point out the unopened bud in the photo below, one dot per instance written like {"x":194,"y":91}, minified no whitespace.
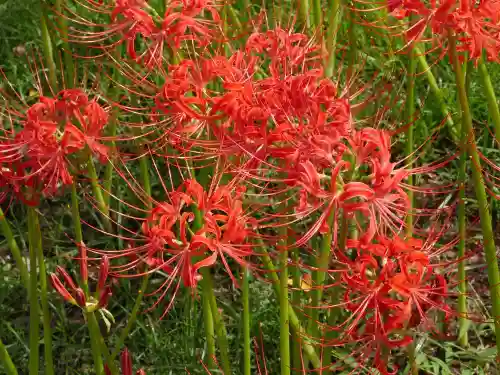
{"x":80,"y":297}
{"x":103,"y":272}
{"x":59,"y":287}
{"x":126,"y":363}
{"x":140,"y":372}
{"x":84,"y":271}
{"x":67,"y":278}
{"x":104,"y":297}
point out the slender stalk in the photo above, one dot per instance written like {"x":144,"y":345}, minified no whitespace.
{"x":98,"y":193}
{"x":14,"y":248}
{"x":245,"y":296}
{"x":284,"y":316}
{"x":317,"y":16}
{"x":489,"y":91}
{"x":6,"y":360}
{"x":308,"y":348}
{"x":209,"y":333}
{"x":33,"y":297}
{"x":296,"y":299}
{"x":220,"y":328}
{"x":95,"y":334}
{"x":108,"y":172}
{"x":47,"y":329}
{"x":75,"y":211}
{"x":334,"y":18}
{"x":47,"y":47}
{"x":131,"y":319}
{"x":319,"y":277}
{"x":425,"y":68}
{"x":462,"y":282}
{"x":305,"y":12}
{"x":409,"y":119}
{"x":481,"y":196}
{"x":63,"y":29}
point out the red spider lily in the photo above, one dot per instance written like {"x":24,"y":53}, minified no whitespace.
{"x":191,"y":230}
{"x":126,"y":365}
{"x":388,"y":283}
{"x":76,"y":294}
{"x":131,"y":20}
{"x":475,"y":24}
{"x":54,"y":133}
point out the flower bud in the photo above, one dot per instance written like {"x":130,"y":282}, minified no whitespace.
{"x":103,"y":272}
{"x":104,"y":297}
{"x":126,"y":363}
{"x":80,"y":297}
{"x":140,"y":372}
{"x":67,"y":278}
{"x":59,"y":287}
{"x":84,"y":271}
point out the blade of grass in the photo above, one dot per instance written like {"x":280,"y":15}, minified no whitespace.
{"x":6,"y":360}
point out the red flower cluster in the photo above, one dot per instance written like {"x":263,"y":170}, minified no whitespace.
{"x":136,"y":22}
{"x":189,"y":231}
{"x":390,"y":286}
{"x":475,"y":23}
{"x":54,"y":131}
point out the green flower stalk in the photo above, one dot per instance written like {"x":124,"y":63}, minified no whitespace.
{"x":245,"y":296}
{"x":480,"y":190}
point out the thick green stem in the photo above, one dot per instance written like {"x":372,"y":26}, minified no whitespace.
{"x":75,"y":211}
{"x":462,"y":282}
{"x":410,"y":121}
{"x":98,"y":194}
{"x":317,"y":17}
{"x":68,"y":57}
{"x":209,"y":333}
{"x":245,"y":296}
{"x":33,"y":297}
{"x":308,"y":348}
{"x":47,"y":47}
{"x":489,"y":91}
{"x":284,"y":316}
{"x":331,"y":35}
{"x":131,"y":319}
{"x":437,"y":91}
{"x":6,"y":361}
{"x":296,"y":299}
{"x":220,"y":327}
{"x":95,"y":346}
{"x":481,"y":196}
{"x":319,"y":277}
{"x":47,"y":329}
{"x":305,"y":12}
{"x":14,"y":248}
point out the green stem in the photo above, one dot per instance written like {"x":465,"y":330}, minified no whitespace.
{"x":47,"y":47}
{"x":481,"y":196}
{"x":95,"y":334}
{"x":409,"y":118}
{"x":33,"y":297}
{"x":14,"y":248}
{"x":284,"y":315}
{"x":6,"y":360}
{"x":245,"y":296}
{"x":331,"y":35}
{"x":296,"y":299}
{"x":98,"y":194}
{"x":209,"y":333}
{"x":490,"y":97}
{"x":308,"y":348}
{"x":68,"y":57}
{"x":220,"y":327}
{"x":75,"y":211}
{"x":317,"y":17}
{"x":47,"y":329}
{"x":462,"y":283}
{"x":108,"y":172}
{"x":132,"y":318}
{"x":304,"y":12}
{"x":319,"y":277}
{"x":436,"y":90}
